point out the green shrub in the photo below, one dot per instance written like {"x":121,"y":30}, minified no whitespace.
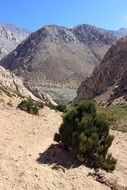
{"x":39,"y":105}
{"x":51,"y":106}
{"x":86,"y":135}
{"x":60,"y":107}
{"x":30,"y":106}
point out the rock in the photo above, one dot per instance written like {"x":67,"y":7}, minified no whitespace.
{"x":13,"y":84}
{"x":41,"y":95}
{"x":108,"y":81}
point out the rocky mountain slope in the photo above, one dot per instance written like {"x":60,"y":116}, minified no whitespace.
{"x":12,"y":85}
{"x":10,"y":37}
{"x":109,"y":80}
{"x":57,"y":56}
{"x":122,"y":32}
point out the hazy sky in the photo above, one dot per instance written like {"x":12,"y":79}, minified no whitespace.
{"x":33,"y":14}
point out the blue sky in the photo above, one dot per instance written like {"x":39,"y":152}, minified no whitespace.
{"x":33,"y":14}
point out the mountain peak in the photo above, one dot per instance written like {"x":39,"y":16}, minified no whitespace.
{"x":122,"y":32}
{"x":122,"y":29}
{"x":8,"y":25}
{"x":10,"y":37}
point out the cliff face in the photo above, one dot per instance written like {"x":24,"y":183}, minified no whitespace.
{"x":58,"y":56}
{"x":109,"y":79}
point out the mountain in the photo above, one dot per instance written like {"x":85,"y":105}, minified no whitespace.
{"x":122,"y":32}
{"x":12,"y":86}
{"x":108,"y":82}
{"x":56,"y":56}
{"x":10,"y":37}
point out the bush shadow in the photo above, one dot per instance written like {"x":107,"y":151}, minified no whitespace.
{"x":58,"y":155}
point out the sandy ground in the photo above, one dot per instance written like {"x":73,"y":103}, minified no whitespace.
{"x":27,"y":160}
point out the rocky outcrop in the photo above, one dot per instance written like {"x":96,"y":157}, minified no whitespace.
{"x":10,"y":37}
{"x":109,"y":79}
{"x":57,"y":56}
{"x":13,"y":84}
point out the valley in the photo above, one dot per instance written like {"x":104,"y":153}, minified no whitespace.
{"x":48,"y":72}
{"x":60,"y":95}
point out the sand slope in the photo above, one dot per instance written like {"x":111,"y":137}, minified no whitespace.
{"x":23,"y":137}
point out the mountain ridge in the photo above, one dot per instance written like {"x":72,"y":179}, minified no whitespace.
{"x":10,"y":37}
{"x":59,"y":56}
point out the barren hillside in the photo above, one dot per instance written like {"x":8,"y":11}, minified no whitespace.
{"x":28,"y":162}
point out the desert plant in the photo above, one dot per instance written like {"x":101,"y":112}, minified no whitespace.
{"x":30,"y":106}
{"x":39,"y":104}
{"x":60,"y":107}
{"x":87,"y":136}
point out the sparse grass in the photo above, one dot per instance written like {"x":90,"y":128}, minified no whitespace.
{"x":116,"y":115}
{"x":6,"y":91}
{"x":9,"y":93}
{"x":18,"y":94}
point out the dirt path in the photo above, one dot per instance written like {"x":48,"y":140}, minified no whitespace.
{"x":23,"y":137}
